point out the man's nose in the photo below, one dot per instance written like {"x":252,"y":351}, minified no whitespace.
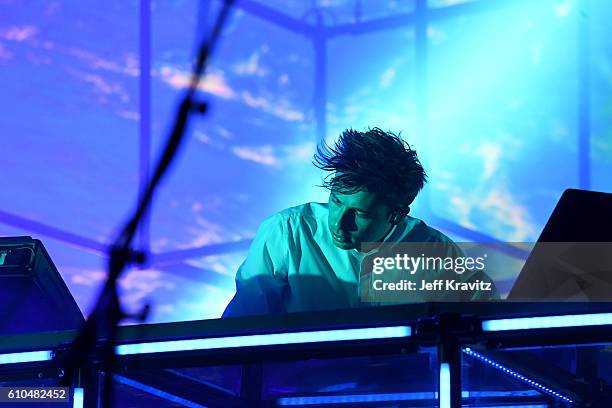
{"x":344,"y":221}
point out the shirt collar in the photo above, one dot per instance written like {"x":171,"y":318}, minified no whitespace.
{"x":388,"y":238}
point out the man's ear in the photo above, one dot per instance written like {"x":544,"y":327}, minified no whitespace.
{"x":398,"y":215}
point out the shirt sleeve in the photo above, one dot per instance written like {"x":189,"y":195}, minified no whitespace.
{"x":261,"y":280}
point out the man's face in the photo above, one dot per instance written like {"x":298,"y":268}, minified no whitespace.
{"x":356,"y":218}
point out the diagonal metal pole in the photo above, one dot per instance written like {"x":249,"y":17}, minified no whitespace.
{"x":144,"y":130}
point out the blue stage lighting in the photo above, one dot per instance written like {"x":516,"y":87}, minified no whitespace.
{"x":404,"y":396}
{"x":355,"y":398}
{"x":77,"y":398}
{"x":517,"y":376}
{"x":156,"y":391}
{"x":26,"y":357}
{"x":445,"y":386}
{"x":266,"y":340}
{"x":547,"y":322}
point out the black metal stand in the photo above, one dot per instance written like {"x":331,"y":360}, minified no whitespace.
{"x":103,"y":321}
{"x":449,"y":354}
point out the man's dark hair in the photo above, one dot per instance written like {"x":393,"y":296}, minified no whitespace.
{"x":375,"y":161}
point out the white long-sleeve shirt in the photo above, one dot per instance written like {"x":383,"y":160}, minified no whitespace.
{"x":293,"y":266}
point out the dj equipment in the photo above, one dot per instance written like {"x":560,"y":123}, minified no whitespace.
{"x":33,"y":296}
{"x":572,"y":259}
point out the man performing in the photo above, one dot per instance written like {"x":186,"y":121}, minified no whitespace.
{"x":310,"y":257}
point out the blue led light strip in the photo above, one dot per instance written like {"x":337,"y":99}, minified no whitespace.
{"x":517,"y":376}
{"x":355,"y":398}
{"x":26,"y":357}
{"x":400,"y":396}
{"x":254,"y":340}
{"x":155,"y":391}
{"x":77,"y":398}
{"x":445,"y":386}
{"x":548,"y":322}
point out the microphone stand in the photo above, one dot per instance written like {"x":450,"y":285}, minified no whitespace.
{"x":101,"y":326}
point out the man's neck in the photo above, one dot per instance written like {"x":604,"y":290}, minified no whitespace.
{"x":373,"y":246}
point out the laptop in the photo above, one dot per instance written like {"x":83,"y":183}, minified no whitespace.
{"x":572,"y":258}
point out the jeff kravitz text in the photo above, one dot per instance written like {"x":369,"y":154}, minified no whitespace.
{"x":435,"y":285}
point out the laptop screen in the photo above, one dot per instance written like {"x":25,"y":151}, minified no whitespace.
{"x":572,"y":259}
